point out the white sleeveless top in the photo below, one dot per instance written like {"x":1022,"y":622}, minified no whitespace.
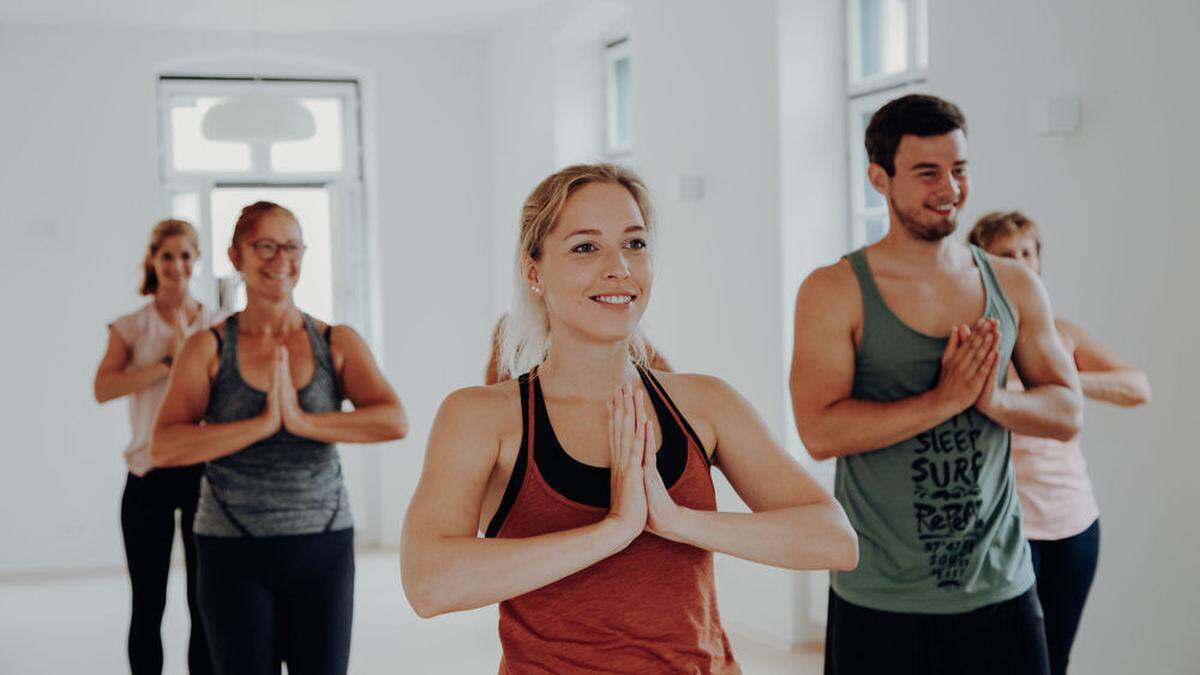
{"x":149,"y":339}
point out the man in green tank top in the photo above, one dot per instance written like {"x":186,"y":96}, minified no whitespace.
{"x":901,"y":351}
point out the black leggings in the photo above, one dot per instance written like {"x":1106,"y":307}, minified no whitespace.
{"x":148,"y":525}
{"x":1001,"y":639}
{"x":268,"y":600}
{"x":1065,"y":569}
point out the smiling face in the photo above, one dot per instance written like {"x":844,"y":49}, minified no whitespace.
{"x":930,"y":184}
{"x":594,"y":270}
{"x":269,"y":255}
{"x":173,"y":263}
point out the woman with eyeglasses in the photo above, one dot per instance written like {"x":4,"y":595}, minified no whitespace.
{"x":141,"y":348}
{"x":258,"y":401}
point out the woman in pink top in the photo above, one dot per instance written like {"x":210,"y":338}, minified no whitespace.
{"x":136,"y":363}
{"x":1059,"y":511}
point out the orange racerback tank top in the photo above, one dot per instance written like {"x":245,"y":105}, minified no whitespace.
{"x":652,"y":607}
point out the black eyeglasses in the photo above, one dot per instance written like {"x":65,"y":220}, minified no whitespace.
{"x":267,"y":249}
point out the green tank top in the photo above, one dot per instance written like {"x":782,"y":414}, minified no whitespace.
{"x":937,"y":517}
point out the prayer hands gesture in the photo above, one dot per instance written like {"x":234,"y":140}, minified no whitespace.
{"x":640,"y":501}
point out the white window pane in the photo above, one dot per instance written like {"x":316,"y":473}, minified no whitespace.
{"x":322,"y":152}
{"x":191,"y":151}
{"x":624,"y":104}
{"x":186,"y":206}
{"x":314,"y":291}
{"x":883,"y":37}
{"x":875,"y":227}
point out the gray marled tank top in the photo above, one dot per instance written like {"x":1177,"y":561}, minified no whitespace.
{"x":281,"y":485}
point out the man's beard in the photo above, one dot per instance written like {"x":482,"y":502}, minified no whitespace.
{"x":936,"y":231}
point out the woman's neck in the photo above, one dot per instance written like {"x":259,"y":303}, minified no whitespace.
{"x":578,"y":368}
{"x":169,"y":301}
{"x":269,"y":317}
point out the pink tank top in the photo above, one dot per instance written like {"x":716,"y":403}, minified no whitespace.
{"x":1052,"y":481}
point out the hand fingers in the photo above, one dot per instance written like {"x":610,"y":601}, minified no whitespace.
{"x":637,"y":450}
{"x":980,"y":354}
{"x":612,"y":447}
{"x":987,"y":373}
{"x":951,"y":346}
{"x":649,"y":458}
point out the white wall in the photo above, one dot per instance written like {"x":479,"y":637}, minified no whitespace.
{"x":79,"y":185}
{"x":706,"y":104}
{"x":1117,"y":204}
{"x":814,"y":200}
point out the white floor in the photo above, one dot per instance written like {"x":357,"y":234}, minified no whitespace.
{"x":77,"y":624}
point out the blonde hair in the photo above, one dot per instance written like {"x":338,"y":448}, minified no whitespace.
{"x":997,"y":224}
{"x":161,"y":232}
{"x":525,"y":333}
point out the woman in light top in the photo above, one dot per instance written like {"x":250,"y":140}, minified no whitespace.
{"x":590,"y":474}
{"x":258,"y":401}
{"x":142,"y":346}
{"x":1059,"y":512}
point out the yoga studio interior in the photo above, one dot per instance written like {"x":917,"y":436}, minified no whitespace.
{"x":403,"y":138}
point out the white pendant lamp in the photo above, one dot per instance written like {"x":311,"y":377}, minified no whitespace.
{"x":258,"y":117}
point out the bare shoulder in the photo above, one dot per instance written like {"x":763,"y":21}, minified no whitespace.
{"x":698,"y":393}
{"x":833,"y":282}
{"x":203,"y":343}
{"x":494,"y":408}
{"x":829,"y":293}
{"x":342,"y":336}
{"x":1015,"y":276}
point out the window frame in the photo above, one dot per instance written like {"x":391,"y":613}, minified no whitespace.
{"x":917,"y":56}
{"x":352,"y":294}
{"x":870,"y":93}
{"x":614,"y":51}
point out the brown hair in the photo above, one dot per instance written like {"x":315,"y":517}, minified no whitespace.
{"x":997,"y":224}
{"x":250,"y":216}
{"x":161,"y":232}
{"x":915,"y":114}
{"x":525,"y":334}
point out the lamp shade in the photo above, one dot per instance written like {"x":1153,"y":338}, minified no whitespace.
{"x":258,"y":118}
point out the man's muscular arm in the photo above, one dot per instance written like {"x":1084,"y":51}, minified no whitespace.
{"x":830,"y":422}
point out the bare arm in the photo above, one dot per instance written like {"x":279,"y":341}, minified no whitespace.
{"x":378,"y":414}
{"x":830,"y":422}
{"x":179,"y":438}
{"x":794,"y":522}
{"x":1102,"y":375}
{"x":115,"y":379}
{"x":446,"y":566}
{"x":1051,"y":405}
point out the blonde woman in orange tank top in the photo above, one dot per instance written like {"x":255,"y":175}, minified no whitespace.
{"x":590,"y":474}
{"x":1059,"y":512}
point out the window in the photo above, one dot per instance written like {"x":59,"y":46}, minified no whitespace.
{"x":618,"y":98}
{"x":208,"y":182}
{"x":888,"y":57}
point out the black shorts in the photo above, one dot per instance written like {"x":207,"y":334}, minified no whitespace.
{"x":1007,"y":638}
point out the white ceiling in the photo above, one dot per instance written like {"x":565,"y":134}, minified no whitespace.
{"x":406,"y":16}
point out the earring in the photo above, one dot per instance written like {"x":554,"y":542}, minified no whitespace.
{"x":536,"y":289}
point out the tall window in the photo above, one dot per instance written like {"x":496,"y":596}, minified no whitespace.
{"x":319,"y":179}
{"x":888,"y":57}
{"x":618,"y":62}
